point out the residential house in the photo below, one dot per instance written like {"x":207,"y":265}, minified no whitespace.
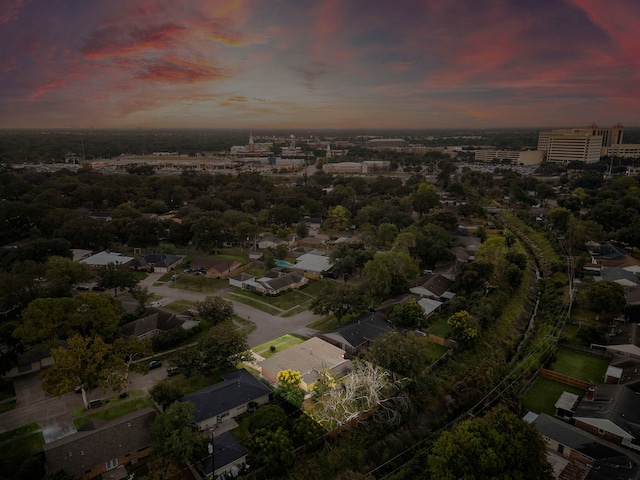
{"x":227,"y":457}
{"x":429,"y":306}
{"x":312,"y":222}
{"x":463,"y":255}
{"x":358,"y":334}
{"x":216,"y":267}
{"x":156,"y":321}
{"x":624,"y":371}
{"x":106,"y":257}
{"x":313,"y":264}
{"x":159,"y":262}
{"x":270,"y":241}
{"x":610,"y":412}
{"x":577,"y":455}
{"x":436,"y":286}
{"x":226,"y":400}
{"x":99,"y":449}
{"x":270,"y":284}
{"x":624,"y":340}
{"x":309,"y":358}
{"x":618,"y":275}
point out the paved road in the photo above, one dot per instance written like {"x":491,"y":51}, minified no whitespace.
{"x":268,"y":326}
{"x":54,"y":414}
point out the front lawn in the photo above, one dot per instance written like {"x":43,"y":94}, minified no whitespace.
{"x":544,"y":393}
{"x":180,"y":305}
{"x":580,"y":365}
{"x":440,"y":327}
{"x":281,"y":343}
{"x":285,"y":301}
{"x":17,"y":432}
{"x":116,"y":411}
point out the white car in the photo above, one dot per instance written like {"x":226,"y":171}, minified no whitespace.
{"x":155,"y":304}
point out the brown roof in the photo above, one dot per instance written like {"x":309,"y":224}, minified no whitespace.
{"x":218,"y":264}
{"x":438,"y":284}
{"x":155,"y":319}
{"x":85,"y":450}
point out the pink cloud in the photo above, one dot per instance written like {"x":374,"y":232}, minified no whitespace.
{"x":10,"y":10}
{"x":122,"y":40}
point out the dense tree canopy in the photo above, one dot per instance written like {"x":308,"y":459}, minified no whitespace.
{"x":498,"y":446}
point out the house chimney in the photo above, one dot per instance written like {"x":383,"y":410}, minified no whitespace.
{"x":591,"y":392}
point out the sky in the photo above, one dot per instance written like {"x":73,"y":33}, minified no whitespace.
{"x":247,"y":64}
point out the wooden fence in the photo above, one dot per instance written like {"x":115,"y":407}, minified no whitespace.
{"x":566,"y":379}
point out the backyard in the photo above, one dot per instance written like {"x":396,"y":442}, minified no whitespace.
{"x":543,"y":394}
{"x":580,"y":365}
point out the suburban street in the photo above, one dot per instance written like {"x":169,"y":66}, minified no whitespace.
{"x":53,"y":414}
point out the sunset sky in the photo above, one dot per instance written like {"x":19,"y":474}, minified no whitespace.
{"x":319,"y":64}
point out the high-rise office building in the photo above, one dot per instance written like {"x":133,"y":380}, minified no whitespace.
{"x":579,"y":144}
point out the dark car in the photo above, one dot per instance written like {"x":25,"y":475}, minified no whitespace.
{"x":98,"y":288}
{"x":331,"y":275}
{"x":154,"y":364}
{"x":372,"y":309}
{"x":82,"y":287}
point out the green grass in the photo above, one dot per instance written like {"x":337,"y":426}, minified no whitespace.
{"x":193,"y":384}
{"x":440,"y":327}
{"x":7,"y":389}
{"x":17,"y":432}
{"x":281,"y":343}
{"x":543,"y":394}
{"x":580,"y":365}
{"x":325,"y":324}
{"x":285,"y":301}
{"x":180,"y":305}
{"x":6,"y":406}
{"x":22,"y":448}
{"x":246,"y":326}
{"x":200,"y":283}
{"x":253,"y":303}
{"x":436,"y":351}
{"x":116,"y":411}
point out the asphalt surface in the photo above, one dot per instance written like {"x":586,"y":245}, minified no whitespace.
{"x":53,"y":414}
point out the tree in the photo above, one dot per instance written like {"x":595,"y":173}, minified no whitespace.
{"x":307,"y":430}
{"x":289,"y":387}
{"x":464,"y":328}
{"x":86,"y":363}
{"x":605,"y":297}
{"x":175,"y":438}
{"x":404,"y":354}
{"x":215,"y":309}
{"x":222,"y":348}
{"x":408,"y":315}
{"x":165,"y":393}
{"x":494,"y":447}
{"x":338,"y":218}
{"x":62,"y":273}
{"x":425,"y":197}
{"x":47,"y":319}
{"x":267,"y":417}
{"x":274,"y":449}
{"x":117,"y":276}
{"x":340,"y":300}
{"x":389,"y":273}
{"x":559,"y":218}
{"x":131,"y":350}
{"x":349,"y":257}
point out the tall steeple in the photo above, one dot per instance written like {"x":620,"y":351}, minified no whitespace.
{"x":251,"y":142}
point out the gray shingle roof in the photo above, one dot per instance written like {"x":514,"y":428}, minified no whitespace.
{"x":87,"y":449}
{"x":238,"y":388}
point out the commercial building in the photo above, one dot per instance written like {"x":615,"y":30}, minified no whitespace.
{"x":520,"y":157}
{"x":580,"y":144}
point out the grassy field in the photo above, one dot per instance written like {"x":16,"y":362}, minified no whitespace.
{"x":116,"y":411}
{"x":17,"y":432}
{"x":285,"y":301}
{"x":580,"y":365}
{"x":440,"y":327}
{"x":20,"y":449}
{"x":543,"y":394}
{"x":180,"y":305}
{"x":325,"y":324}
{"x":253,"y":303}
{"x":281,"y":343}
{"x":6,"y":406}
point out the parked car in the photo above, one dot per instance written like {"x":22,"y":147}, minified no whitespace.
{"x":82,"y":287}
{"x":98,"y":288}
{"x":155,"y":304}
{"x":171,"y":371}
{"x":331,"y":275}
{"x":154,"y":364}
